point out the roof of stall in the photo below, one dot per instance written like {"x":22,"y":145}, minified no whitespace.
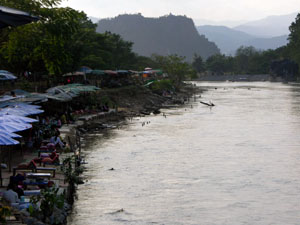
{"x":110,"y":72}
{"x":67,"y":92}
{"x":77,"y":73}
{"x":13,"y":17}
{"x":97,"y":72}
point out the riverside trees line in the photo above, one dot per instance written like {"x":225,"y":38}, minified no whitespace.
{"x":65,"y":39}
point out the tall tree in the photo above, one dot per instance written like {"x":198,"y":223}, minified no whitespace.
{"x":198,"y":63}
{"x":176,"y":67}
{"x":44,"y":45}
{"x":294,"y":38}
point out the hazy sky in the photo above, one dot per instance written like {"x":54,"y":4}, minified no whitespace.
{"x":216,"y":10}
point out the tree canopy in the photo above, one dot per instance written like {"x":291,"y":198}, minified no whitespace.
{"x":61,"y":41}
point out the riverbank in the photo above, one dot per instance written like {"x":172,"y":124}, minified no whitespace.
{"x":130,"y":102}
{"x":125,"y":102}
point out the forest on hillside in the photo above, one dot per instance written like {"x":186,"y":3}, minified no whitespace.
{"x":164,"y":36}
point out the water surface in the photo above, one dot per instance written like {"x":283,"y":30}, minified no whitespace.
{"x":236,"y":163}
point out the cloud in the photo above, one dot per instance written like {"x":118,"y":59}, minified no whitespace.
{"x":208,"y":9}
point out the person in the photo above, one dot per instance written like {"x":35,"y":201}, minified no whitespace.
{"x":10,"y":195}
{"x":63,"y":119}
{"x":56,"y":141}
{"x":13,"y":94}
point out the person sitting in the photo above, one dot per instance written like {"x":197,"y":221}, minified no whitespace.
{"x":56,"y":141}
{"x":10,"y":195}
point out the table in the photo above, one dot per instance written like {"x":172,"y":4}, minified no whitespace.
{"x":38,"y":175}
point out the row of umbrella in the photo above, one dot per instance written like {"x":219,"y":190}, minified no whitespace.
{"x":11,"y":17}
{"x":69,"y":91}
{"x":13,"y":119}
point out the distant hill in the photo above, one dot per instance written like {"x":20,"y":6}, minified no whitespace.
{"x":229,"y":40}
{"x":164,"y":35}
{"x":269,"y":27}
{"x":227,"y":23}
{"x":268,"y":43}
{"x":94,"y":19}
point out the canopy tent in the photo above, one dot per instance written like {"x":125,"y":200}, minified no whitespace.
{"x":96,"y":72}
{"x":19,"y":105}
{"x":67,"y":92}
{"x":110,"y":72}
{"x":5,"y":98}
{"x":11,"y":135}
{"x":7,"y":76}
{"x":35,"y":98}
{"x":85,"y":69}
{"x":16,"y":119}
{"x":12,"y":127}
{"x":13,"y":17}
{"x":59,"y":97}
{"x":5,"y":140}
{"x":122,"y":71}
{"x":20,"y":111}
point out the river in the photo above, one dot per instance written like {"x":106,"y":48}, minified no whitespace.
{"x":235,"y":163}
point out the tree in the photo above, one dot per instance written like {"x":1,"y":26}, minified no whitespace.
{"x":217,"y":64}
{"x":294,"y":38}
{"x":198,"y":64}
{"x":49,"y":45}
{"x":176,"y":67}
{"x":243,"y":57}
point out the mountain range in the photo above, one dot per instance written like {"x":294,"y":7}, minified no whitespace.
{"x":178,"y":35}
{"x":268,"y":33}
{"x":164,"y":35}
{"x":270,"y":26}
{"x":229,"y":40}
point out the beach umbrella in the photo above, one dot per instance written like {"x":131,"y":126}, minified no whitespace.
{"x":13,"y":17}
{"x":20,"y":111}
{"x":14,"y":127}
{"x":6,"y":76}
{"x":20,"y":104}
{"x":5,"y":140}
{"x":11,"y":135}
{"x":17,"y":119}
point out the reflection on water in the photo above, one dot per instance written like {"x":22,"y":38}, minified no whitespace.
{"x":235,"y":163}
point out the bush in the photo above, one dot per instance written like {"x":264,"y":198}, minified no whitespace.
{"x":162,"y":85}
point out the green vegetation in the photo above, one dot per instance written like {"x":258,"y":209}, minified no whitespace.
{"x":294,"y":38}
{"x":49,"y":199}
{"x":175,"y":66}
{"x":61,"y":41}
{"x":162,"y":85}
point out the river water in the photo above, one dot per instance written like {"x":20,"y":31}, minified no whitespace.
{"x":235,"y":163}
